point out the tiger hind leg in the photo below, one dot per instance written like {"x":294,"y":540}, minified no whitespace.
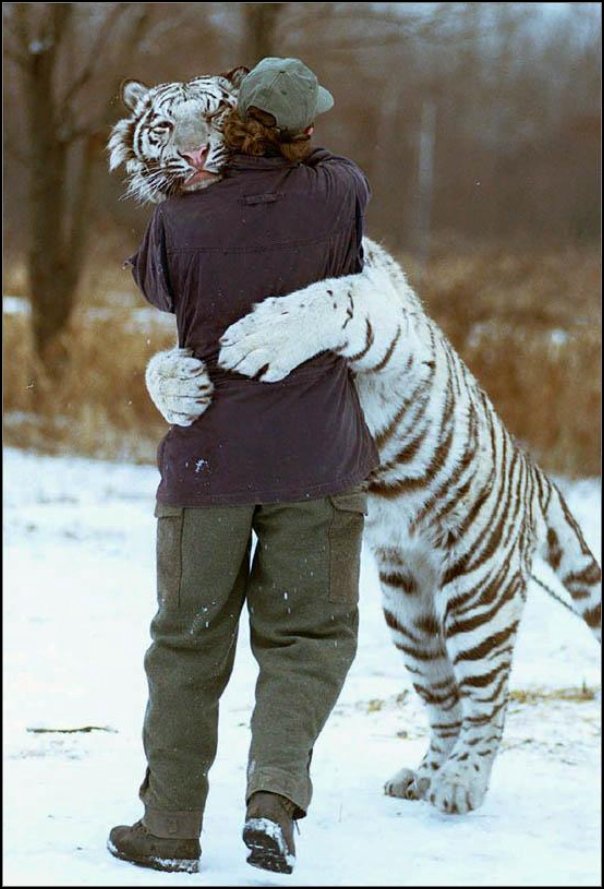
{"x":441,"y":699}
{"x":480,"y":642}
{"x":409,"y":613}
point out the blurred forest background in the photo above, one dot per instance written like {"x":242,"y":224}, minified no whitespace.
{"x":478,"y":125}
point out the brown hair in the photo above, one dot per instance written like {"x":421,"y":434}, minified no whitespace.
{"x":259,"y":135}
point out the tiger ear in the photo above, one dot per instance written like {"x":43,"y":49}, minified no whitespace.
{"x":131,"y":91}
{"x":236,"y":75}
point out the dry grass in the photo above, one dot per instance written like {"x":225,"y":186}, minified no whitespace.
{"x":538,"y":695}
{"x":101,"y":408}
{"x":527,"y":326}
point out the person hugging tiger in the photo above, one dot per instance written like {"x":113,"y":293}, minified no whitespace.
{"x":285,"y":461}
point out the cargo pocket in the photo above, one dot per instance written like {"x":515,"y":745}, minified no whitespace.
{"x":345,"y":541}
{"x":169,"y":554}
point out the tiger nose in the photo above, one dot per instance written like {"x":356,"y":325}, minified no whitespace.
{"x":197,"y":157}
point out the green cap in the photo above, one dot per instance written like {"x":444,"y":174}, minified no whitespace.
{"x":288,"y":90}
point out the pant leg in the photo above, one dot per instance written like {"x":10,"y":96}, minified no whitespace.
{"x":302,"y":600}
{"x":202,"y":568}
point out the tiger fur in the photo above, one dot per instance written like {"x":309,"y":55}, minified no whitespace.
{"x":456,"y":510}
{"x":166,"y":122}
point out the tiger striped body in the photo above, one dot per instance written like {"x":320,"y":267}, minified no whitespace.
{"x":456,"y":510}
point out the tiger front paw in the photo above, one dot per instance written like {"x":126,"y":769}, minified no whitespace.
{"x":458,"y":788}
{"x":179,"y":386}
{"x":277,"y":336}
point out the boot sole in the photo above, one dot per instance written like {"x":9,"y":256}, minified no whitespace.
{"x":169,"y":865}
{"x":265,"y":851}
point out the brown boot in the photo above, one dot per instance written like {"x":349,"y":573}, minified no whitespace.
{"x":137,"y":845}
{"x":269,"y":832}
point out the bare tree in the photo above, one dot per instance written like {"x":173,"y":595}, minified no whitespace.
{"x":57,"y":50}
{"x":512,"y":148}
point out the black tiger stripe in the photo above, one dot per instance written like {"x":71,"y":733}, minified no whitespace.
{"x":500,"y":652}
{"x":389,"y":554}
{"x":452,"y":374}
{"x":410,"y":451}
{"x":593,"y":617}
{"x":128,"y":140}
{"x":452,"y":573}
{"x":427,"y":624}
{"x":415,"y":415}
{"x":382,"y":437}
{"x":393,"y":623}
{"x":420,"y":400}
{"x":472,"y":742}
{"x":430,"y":698}
{"x":479,"y":501}
{"x":492,"y":431}
{"x":574,"y":526}
{"x":458,"y":371}
{"x":590,"y":575}
{"x":489,"y":593}
{"x":385,"y":360}
{"x":484,"y":720}
{"x":540,"y":493}
{"x":484,"y":617}
{"x":454,"y":703}
{"x":448,"y":407}
{"x":349,"y":310}
{"x":518,"y":498}
{"x":483,"y":549}
{"x":554,"y":550}
{"x":443,"y":683}
{"x":480,"y":651}
{"x":389,"y":490}
{"x":420,"y":654}
{"x":484,"y":679}
{"x":441,"y":494}
{"x":404,"y":582}
{"x":549,"y":491}
{"x":499,"y":688}
{"x":463,"y":602}
{"x":460,"y":757}
{"x":369,"y":340}
{"x":436,"y":698}
{"x":504,"y":584}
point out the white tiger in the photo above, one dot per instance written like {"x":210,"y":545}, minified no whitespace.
{"x":456,"y":510}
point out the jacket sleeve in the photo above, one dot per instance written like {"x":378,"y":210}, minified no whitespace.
{"x":343,"y":170}
{"x":150,"y":267}
{"x":347,"y":183}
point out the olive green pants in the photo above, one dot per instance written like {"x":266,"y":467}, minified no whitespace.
{"x":301,"y":590}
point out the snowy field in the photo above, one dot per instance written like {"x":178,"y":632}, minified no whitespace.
{"x":79,"y":594}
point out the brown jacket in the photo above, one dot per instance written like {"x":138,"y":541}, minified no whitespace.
{"x":269,"y":227}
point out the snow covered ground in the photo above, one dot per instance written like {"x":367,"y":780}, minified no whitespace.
{"x":79,"y":594}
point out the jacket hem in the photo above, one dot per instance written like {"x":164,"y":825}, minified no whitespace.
{"x":247,"y":498}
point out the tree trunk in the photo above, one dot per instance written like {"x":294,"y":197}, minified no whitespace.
{"x":425,"y":180}
{"x":52,"y":283}
{"x":260,"y":29}
{"x":63,"y":140}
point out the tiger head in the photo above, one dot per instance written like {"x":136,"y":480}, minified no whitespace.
{"x":173,"y":137}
